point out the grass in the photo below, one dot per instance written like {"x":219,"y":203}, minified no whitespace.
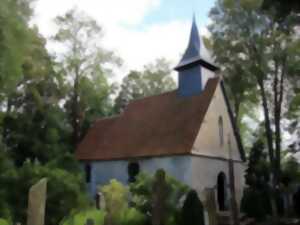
{"x":3,"y":222}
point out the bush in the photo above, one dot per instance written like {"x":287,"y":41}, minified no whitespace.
{"x":80,"y":218}
{"x":132,"y":216}
{"x":256,"y":203}
{"x":141,"y":191}
{"x":116,"y":197}
{"x":296,"y":200}
{"x":7,"y":175}
{"x":65,"y":191}
{"x":192,"y":210}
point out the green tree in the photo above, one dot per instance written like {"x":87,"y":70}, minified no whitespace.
{"x":84,"y":62}
{"x":290,"y":171}
{"x":263,"y":54}
{"x":33,"y":123}
{"x":154,"y":79}
{"x":258,"y":171}
{"x":282,"y":8}
{"x":65,"y":191}
{"x":14,"y":16}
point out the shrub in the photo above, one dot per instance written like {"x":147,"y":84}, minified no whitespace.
{"x":116,"y":197}
{"x":141,"y":191}
{"x":80,"y":218}
{"x":296,"y":200}
{"x":132,"y":216}
{"x":65,"y":191}
{"x":255,"y":203}
{"x":192,"y":210}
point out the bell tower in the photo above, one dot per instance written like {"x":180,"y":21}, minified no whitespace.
{"x":190,"y":67}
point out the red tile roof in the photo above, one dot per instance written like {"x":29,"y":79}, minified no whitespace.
{"x":165,"y":124}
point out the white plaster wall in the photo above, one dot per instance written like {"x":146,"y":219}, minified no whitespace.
{"x":103,"y":171}
{"x":208,"y":140}
{"x":205,"y":173}
{"x":206,"y":74}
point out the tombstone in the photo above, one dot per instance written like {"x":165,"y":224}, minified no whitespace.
{"x":159,"y":198}
{"x":211,"y":207}
{"x":98,"y":200}
{"x":89,"y":221}
{"x":37,"y":203}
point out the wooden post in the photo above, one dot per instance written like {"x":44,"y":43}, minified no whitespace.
{"x":234,"y":207}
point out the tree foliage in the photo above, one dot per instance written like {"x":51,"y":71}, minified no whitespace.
{"x":35,"y":128}
{"x":261,"y":54}
{"x":14,"y":16}
{"x":142,"y":190}
{"x":65,"y":190}
{"x":84,"y":64}
{"x":116,"y":197}
{"x":154,"y":79}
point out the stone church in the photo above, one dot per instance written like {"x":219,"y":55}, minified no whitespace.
{"x":188,"y":132}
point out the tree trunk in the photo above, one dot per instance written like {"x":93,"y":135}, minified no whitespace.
{"x":75,"y":110}
{"x":269,"y":133}
{"x":277,"y":120}
{"x":269,"y":136}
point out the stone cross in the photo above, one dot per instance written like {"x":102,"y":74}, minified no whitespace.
{"x":37,"y":203}
{"x":159,"y":198}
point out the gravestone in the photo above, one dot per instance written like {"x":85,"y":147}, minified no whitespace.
{"x":159,"y":198}
{"x":89,"y":221}
{"x":211,"y":207}
{"x":37,"y":203}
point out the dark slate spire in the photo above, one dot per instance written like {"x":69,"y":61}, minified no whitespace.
{"x":192,"y":53}
{"x":189,"y":67}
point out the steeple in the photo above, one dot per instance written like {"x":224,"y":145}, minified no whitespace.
{"x":189,"y":67}
{"x":192,"y":53}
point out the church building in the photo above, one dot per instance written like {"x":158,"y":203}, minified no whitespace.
{"x":189,"y":132}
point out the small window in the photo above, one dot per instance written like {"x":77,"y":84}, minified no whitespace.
{"x":87,"y":173}
{"x":133,"y":171}
{"x":221,"y":131}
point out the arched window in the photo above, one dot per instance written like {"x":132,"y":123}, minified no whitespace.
{"x":221,"y":130}
{"x":87,"y":169}
{"x":133,"y":171}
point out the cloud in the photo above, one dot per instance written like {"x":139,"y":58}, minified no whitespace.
{"x":119,"y":19}
{"x":107,"y":13}
{"x":140,"y":47}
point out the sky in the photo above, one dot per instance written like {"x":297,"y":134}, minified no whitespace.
{"x":139,"y":31}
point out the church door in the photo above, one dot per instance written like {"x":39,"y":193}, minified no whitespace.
{"x":222,"y":191}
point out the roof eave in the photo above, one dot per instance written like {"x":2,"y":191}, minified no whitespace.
{"x":185,"y":64}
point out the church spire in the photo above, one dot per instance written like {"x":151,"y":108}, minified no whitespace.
{"x":193,"y":50}
{"x":189,"y":68}
{"x":192,"y":53}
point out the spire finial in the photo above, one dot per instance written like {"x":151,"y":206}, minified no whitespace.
{"x":194,"y":17}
